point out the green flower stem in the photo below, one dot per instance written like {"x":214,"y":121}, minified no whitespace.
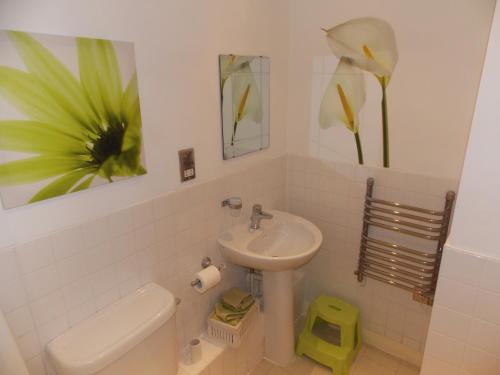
{"x":385,"y":126}
{"x":359,"y":148}
{"x":235,"y":126}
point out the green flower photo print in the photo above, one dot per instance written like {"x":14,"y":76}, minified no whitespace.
{"x":69,"y":115}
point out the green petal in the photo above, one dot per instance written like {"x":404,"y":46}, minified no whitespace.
{"x":131,"y":109}
{"x":57,"y":79}
{"x":35,"y":137}
{"x":100,"y":76}
{"x":35,"y":169}
{"x":28,"y":95}
{"x":129,"y":159}
{"x":85,"y":184}
{"x":61,"y":186}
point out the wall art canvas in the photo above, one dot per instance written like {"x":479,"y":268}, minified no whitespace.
{"x":244,"y":88}
{"x":362,"y":49}
{"x":69,"y":115}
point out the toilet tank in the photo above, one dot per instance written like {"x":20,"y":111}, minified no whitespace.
{"x":135,"y":335}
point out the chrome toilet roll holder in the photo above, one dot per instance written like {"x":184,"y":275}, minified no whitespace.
{"x":206,"y":262}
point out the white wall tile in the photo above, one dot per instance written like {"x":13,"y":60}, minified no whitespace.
{"x":450,"y":323}
{"x":49,"y":331}
{"x":477,"y":362}
{"x":48,"y":308}
{"x":434,"y":366}
{"x":107,"y":298}
{"x":95,"y":232}
{"x":462,"y":266}
{"x":81,"y":312}
{"x":36,"y":366}
{"x":12,"y":295}
{"x":42,"y":282}
{"x":142,"y":214}
{"x":8,"y":265}
{"x":120,"y":222}
{"x":20,"y":321}
{"x":163,"y":206}
{"x":486,"y":336}
{"x":77,"y":292}
{"x":488,"y":306}
{"x":67,"y":243}
{"x":445,"y":348}
{"x":100,"y":256}
{"x":471,"y":316}
{"x":72,"y":268}
{"x":123,"y":245}
{"x":145,"y":236}
{"x":35,"y":255}
{"x":456,"y":295}
{"x":104,"y":279}
{"x":28,"y":345}
{"x":490,"y":279}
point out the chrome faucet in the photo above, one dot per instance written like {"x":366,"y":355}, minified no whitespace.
{"x":257,"y":216}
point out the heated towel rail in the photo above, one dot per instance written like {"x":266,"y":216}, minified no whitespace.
{"x":402,"y":266}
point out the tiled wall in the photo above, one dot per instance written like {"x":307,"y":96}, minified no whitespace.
{"x":331,"y":195}
{"x":52,"y":283}
{"x":464,"y":335}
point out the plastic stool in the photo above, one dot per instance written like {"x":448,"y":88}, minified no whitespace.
{"x":332,"y":334}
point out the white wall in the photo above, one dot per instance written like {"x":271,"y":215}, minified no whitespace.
{"x":431,"y":94}
{"x":465,"y":325}
{"x":476,"y":220}
{"x":177,"y":45}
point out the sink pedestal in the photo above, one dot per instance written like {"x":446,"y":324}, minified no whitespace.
{"x":278,"y":317}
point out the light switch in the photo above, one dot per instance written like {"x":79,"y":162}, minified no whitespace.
{"x":186,"y":164}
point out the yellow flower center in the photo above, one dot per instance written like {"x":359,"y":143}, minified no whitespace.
{"x":347,"y":108}
{"x":243,"y":101}
{"x":368,"y":53}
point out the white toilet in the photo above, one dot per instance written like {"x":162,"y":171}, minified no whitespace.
{"x":135,"y":335}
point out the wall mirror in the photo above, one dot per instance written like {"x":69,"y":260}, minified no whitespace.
{"x":244,"y":89}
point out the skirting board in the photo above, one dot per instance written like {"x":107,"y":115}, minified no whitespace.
{"x":392,"y":347}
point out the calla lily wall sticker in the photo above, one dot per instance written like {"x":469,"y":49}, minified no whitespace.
{"x":74,"y":130}
{"x":343,"y":99}
{"x":370,"y":44}
{"x":246,"y":98}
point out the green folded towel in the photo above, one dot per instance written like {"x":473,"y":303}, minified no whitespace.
{"x":229,"y":316}
{"x":237,"y":300}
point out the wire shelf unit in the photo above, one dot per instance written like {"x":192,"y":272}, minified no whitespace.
{"x":396,"y":264}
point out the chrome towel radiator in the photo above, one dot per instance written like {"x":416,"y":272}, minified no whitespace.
{"x":400,"y":265}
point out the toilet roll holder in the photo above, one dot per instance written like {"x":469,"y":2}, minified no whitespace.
{"x":206,"y":262}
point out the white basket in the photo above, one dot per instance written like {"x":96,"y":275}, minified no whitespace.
{"x":232,"y":335}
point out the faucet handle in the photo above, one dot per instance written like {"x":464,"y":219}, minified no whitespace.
{"x":257,"y":208}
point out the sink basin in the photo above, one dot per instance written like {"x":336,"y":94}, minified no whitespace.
{"x":283,"y":243}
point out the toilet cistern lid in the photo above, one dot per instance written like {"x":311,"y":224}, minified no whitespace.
{"x":100,"y":340}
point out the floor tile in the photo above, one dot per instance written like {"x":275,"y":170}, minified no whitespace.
{"x":370,"y":361}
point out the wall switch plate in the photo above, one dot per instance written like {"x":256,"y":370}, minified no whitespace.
{"x":186,"y":164}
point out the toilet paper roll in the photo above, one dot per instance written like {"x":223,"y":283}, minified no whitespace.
{"x":195,"y":350}
{"x":208,"y":277}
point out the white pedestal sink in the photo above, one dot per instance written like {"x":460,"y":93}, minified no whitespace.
{"x":281,"y":244}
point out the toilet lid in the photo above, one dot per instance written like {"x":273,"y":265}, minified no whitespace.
{"x":97,"y":342}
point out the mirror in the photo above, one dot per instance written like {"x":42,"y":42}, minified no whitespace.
{"x":244,"y":87}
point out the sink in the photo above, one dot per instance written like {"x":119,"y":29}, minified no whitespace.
{"x":279,"y":246}
{"x":283,"y":243}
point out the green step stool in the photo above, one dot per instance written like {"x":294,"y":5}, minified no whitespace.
{"x":332,"y":334}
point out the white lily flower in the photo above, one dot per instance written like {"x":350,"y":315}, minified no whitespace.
{"x":247,"y":102}
{"x":344,"y":97}
{"x":230,"y":64}
{"x":369,"y":42}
